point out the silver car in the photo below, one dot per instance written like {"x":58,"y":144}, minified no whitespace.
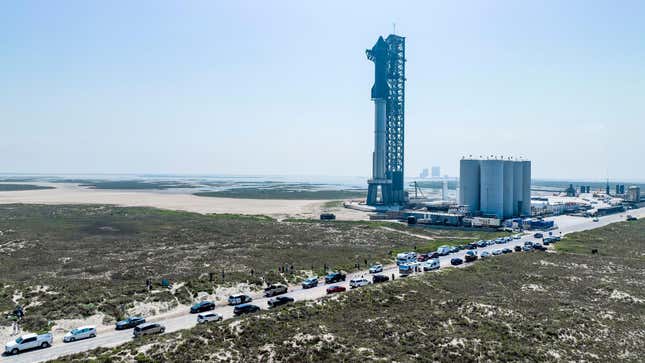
{"x":83,"y":332}
{"x":149,"y":328}
{"x":206,"y":317}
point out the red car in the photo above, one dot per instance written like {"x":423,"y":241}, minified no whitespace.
{"x":333,"y":289}
{"x":422,"y":257}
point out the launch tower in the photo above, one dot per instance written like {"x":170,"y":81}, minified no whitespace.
{"x":388,"y":94}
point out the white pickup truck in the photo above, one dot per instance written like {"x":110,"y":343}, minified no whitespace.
{"x":28,"y":341}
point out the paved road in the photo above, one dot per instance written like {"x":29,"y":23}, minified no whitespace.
{"x":110,"y":338}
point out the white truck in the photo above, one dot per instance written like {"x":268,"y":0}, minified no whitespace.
{"x":28,"y":341}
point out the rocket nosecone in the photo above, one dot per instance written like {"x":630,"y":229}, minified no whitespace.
{"x":378,"y":55}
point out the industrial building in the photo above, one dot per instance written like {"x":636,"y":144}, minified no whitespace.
{"x":495,"y":187}
{"x":386,"y":188}
{"x":633,"y":194}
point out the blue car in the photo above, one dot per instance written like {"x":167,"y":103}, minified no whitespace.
{"x":310,"y":282}
{"x":335,"y":277}
{"x":202,"y":306}
{"x":130,"y":322}
{"x":456,"y":261}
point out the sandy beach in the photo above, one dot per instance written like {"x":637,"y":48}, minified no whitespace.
{"x":74,"y":194}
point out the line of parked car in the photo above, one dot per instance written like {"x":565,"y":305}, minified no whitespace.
{"x":528,"y":246}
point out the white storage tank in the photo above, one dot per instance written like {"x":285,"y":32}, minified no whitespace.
{"x":492,"y":187}
{"x":526,"y":188}
{"x":517,"y":188}
{"x":469,"y":184}
{"x":508,"y":188}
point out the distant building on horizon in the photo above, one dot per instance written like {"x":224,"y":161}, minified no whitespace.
{"x":436,"y":172}
{"x":424,"y":173}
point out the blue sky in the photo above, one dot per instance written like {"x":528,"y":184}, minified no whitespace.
{"x":282,"y":87}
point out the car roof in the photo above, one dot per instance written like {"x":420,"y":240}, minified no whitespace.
{"x":86,"y":327}
{"x":146,"y":325}
{"x":27,"y":336}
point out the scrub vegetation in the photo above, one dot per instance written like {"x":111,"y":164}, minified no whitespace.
{"x":528,"y":306}
{"x":73,"y":261}
{"x":21,"y":187}
{"x":132,"y":184}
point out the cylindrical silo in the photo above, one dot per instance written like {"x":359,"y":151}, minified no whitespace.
{"x":526,"y":188}
{"x":508,"y":188}
{"x":517,"y":188}
{"x":469,"y":184}
{"x":492,"y":188}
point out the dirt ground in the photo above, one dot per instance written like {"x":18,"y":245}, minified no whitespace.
{"x":279,"y":209}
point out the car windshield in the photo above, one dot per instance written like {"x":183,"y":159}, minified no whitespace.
{"x":75,"y":331}
{"x":19,"y":340}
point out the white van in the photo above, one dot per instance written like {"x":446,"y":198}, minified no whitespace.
{"x":430,"y":265}
{"x":443,"y":250}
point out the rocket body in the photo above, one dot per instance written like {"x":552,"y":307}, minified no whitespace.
{"x":378,"y":55}
{"x":378,"y":169}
